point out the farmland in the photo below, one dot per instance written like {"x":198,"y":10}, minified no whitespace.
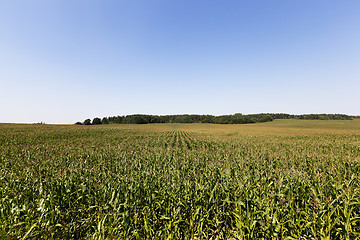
{"x":286,"y":179}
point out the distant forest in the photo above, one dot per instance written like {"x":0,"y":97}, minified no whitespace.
{"x":237,"y":118}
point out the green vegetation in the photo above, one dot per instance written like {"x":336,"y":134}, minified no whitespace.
{"x":87,"y":122}
{"x":237,"y":118}
{"x":286,"y":179}
{"x":96,"y":121}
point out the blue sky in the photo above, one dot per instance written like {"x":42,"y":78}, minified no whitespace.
{"x":64,"y":61}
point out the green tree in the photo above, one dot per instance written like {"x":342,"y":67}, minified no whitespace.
{"x":96,"y":121}
{"x":105,"y":120}
{"x":87,"y":122}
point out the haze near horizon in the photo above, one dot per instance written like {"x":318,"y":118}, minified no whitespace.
{"x":65,"y":61}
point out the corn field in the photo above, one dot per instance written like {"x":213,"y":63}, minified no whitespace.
{"x":288,"y":179}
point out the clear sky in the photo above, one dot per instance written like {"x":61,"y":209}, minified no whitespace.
{"x":63,"y":61}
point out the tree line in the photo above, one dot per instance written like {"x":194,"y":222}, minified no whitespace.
{"x":322,"y":116}
{"x":236,"y":118}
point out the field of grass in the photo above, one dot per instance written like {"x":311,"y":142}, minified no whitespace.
{"x":287,"y":179}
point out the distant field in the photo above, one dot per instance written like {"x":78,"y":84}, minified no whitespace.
{"x":286,"y":179}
